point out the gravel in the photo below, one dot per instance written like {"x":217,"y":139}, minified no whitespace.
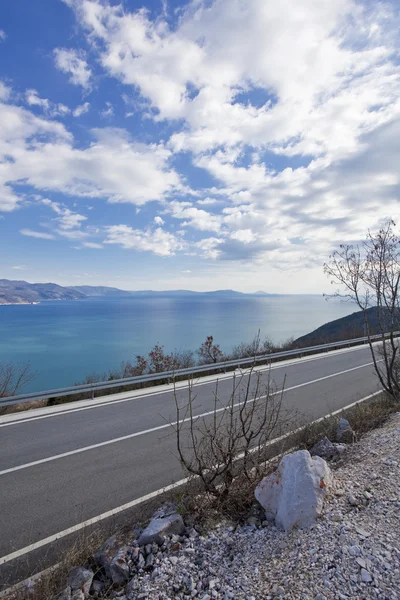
{"x":352,"y":552}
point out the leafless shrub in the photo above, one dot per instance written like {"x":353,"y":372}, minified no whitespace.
{"x":369,"y":275}
{"x":252,"y":349}
{"x":13,"y":378}
{"x":230,"y":442}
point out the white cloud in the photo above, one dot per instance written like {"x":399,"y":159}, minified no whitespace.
{"x":33,"y":99}
{"x":67,"y":219}
{"x":198,"y":70}
{"x":159,"y":221}
{"x":19,"y":267}
{"x":40,"y":153}
{"x":157,"y":241}
{"x":81,"y":109}
{"x":5,"y":92}
{"x":209,"y":247}
{"x":3,"y":35}
{"x":73,"y":63}
{"x":37,"y":234}
{"x":195,"y":217}
{"x":19,"y":128}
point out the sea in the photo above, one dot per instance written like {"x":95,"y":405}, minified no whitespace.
{"x":64,"y":341}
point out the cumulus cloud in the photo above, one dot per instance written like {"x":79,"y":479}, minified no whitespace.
{"x":195,"y":217}
{"x":158,"y":241}
{"x":73,"y":63}
{"x":197,"y":70}
{"x":3,"y":35}
{"x":291,"y":116}
{"x":41,"y":153}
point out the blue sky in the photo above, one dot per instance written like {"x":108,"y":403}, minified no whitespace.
{"x":201,"y":145}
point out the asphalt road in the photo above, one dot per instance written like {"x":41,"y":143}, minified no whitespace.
{"x":52,"y":478}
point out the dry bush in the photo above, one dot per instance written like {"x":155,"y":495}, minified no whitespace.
{"x":369,"y":275}
{"x":53,"y":580}
{"x":228,"y":446}
{"x":13,"y":378}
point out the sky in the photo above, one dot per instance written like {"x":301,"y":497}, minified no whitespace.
{"x":201,"y":145}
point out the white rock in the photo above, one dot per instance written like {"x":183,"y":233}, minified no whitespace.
{"x":295,"y":492}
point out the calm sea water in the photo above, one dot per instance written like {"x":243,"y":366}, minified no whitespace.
{"x":66,"y":340}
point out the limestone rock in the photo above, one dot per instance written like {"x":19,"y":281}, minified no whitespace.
{"x":161,"y":526}
{"x":105,"y":554}
{"x":327,"y":450}
{"x":80,"y":579}
{"x":344,"y":432}
{"x":295,"y":492}
{"x":119,"y":568}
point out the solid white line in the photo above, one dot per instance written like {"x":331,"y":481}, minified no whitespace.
{"x":110,"y":513}
{"x":160,"y":427}
{"x":55,"y":411}
{"x":79,"y":526}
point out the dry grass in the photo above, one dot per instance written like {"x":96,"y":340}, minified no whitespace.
{"x":363,"y":417}
{"x":17,"y":408}
{"x":48,"y":584}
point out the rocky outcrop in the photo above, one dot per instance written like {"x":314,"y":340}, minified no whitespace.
{"x":294,"y":494}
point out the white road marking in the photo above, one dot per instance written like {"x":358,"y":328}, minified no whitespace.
{"x":110,"y":513}
{"x":55,"y":411}
{"x":164,"y":426}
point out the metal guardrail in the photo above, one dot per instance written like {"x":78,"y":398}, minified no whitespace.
{"x":91,"y":388}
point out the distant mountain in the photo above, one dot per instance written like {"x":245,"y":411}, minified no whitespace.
{"x":22,"y":292}
{"x":346,"y":328}
{"x":98,"y":290}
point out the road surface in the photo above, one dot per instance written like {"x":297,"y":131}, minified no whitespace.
{"x":63,"y":465}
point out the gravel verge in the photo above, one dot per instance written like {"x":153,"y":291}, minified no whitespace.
{"x":353,"y":551}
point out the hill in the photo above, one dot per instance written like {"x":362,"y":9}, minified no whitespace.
{"x":346,"y":328}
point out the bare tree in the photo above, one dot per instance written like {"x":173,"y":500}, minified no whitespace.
{"x":369,"y":275}
{"x":13,"y":378}
{"x":230,"y":441}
